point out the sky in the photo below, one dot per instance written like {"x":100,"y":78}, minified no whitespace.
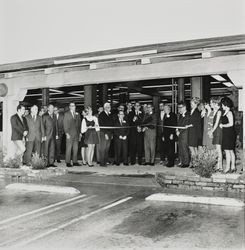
{"x":34,"y":29}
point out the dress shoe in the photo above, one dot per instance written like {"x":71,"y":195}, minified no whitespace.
{"x":170,"y":165}
{"x":125,"y":164}
{"x":68,"y":165}
{"x":147,"y":163}
{"x":59,"y":161}
{"x":152,"y":164}
{"x":184,"y":166}
{"x":90,"y":165}
{"x":103,"y":166}
{"x":77,"y":164}
{"x":52,"y":165}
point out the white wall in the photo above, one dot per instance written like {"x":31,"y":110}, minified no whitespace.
{"x":44,"y":28}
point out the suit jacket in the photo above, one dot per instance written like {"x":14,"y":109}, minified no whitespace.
{"x":169,"y":120}
{"x":121,"y":131}
{"x":35,"y":128}
{"x":60,"y":124}
{"x":182,"y":122}
{"x":107,"y":121}
{"x":18,"y":127}
{"x":72,"y":126}
{"x":150,"y":121}
{"x":135,"y":120}
{"x":50,"y":126}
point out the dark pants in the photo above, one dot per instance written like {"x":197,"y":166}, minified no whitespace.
{"x":162,"y":148}
{"x":136,"y":147}
{"x":50,"y":150}
{"x":104,"y":149}
{"x":58,"y":148}
{"x":184,"y":153}
{"x":32,"y":147}
{"x":121,"y":151}
{"x":71,"y":147}
{"x":170,"y":146}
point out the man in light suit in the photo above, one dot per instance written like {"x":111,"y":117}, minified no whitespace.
{"x":149,"y":129}
{"x":35,"y":134}
{"x":105,"y":119}
{"x":60,"y":127}
{"x":19,"y":130}
{"x":50,"y":134}
{"x":72,"y":128}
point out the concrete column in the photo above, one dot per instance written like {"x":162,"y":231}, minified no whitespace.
{"x":156,"y":101}
{"x":181,"y":89}
{"x":200,"y":87}
{"x":103,"y":93}
{"x":10,"y":103}
{"x":45,"y":97}
{"x":90,"y":96}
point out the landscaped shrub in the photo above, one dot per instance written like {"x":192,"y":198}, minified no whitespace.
{"x":204,"y":163}
{"x":12,"y":162}
{"x":38,"y":162}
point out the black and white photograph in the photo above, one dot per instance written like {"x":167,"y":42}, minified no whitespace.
{"x":121,"y":124}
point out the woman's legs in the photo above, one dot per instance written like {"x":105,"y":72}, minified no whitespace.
{"x":83,"y":153}
{"x":233,"y":160}
{"x":228,"y":160}
{"x":219,"y":152}
{"x":90,"y":153}
{"x":193,"y":151}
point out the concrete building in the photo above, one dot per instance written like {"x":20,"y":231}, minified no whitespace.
{"x":172,"y":71}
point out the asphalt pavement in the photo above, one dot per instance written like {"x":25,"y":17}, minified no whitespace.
{"x":112,"y":213}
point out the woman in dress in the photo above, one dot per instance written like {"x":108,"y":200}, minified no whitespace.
{"x":208,"y":115}
{"x":83,"y":145}
{"x":195,"y":122}
{"x":216,"y":131}
{"x":228,"y":134}
{"x":90,"y":126}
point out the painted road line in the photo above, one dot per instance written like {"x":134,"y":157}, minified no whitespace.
{"x":42,"y":188}
{"x":223,"y":201}
{"x":52,"y":210}
{"x":82,"y":217}
{"x":41,"y":209}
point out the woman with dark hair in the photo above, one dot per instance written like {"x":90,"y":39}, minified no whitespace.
{"x":195,"y":131}
{"x":90,"y":126}
{"x":216,"y":131}
{"x":228,"y":134}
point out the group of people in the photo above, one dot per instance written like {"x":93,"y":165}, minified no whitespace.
{"x":132,"y":134}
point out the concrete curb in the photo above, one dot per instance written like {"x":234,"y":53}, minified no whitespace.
{"x":42,"y":188}
{"x":223,"y":201}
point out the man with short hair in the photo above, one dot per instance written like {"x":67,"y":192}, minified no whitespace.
{"x":183,"y":121}
{"x":72,"y":128}
{"x":50,"y":134}
{"x":169,"y":135}
{"x":121,"y":139}
{"x":106,"y":134}
{"x":35,"y":134}
{"x":19,"y":130}
{"x":60,"y":126}
{"x":149,"y":129}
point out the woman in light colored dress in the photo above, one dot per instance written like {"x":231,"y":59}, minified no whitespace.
{"x":208,"y":115}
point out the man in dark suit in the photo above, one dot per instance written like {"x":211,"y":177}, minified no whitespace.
{"x":136,"y":135}
{"x":60,"y":127}
{"x":105,"y":119}
{"x":161,"y":143}
{"x":121,"y":139}
{"x":50,"y":134}
{"x":149,"y":129}
{"x":183,"y":121}
{"x":72,"y":128}
{"x":35,"y":134}
{"x":19,"y":130}
{"x":169,"y":135}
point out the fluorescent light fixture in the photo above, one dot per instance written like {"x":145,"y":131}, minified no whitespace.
{"x":56,"y":91}
{"x":105,"y":57}
{"x":76,"y":93}
{"x":219,"y":78}
{"x":228,"y":84}
{"x":145,"y":61}
{"x":93,"y":66}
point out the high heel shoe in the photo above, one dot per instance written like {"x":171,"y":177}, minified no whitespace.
{"x":226,"y":171}
{"x":90,"y":165}
{"x":233,"y":170}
